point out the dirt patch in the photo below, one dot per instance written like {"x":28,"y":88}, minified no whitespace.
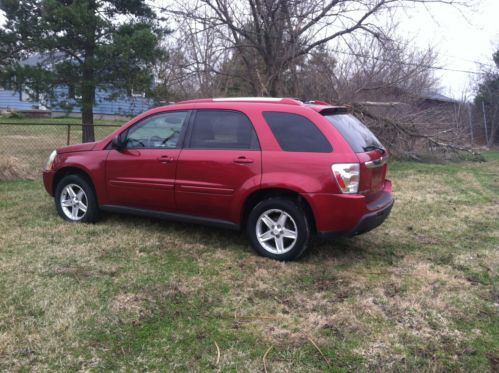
{"x":133,"y":305}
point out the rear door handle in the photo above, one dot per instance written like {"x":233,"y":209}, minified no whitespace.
{"x":165,"y":159}
{"x":243,"y":160}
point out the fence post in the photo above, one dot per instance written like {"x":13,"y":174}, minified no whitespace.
{"x":69,"y":134}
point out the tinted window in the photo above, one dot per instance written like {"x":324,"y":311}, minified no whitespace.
{"x":222,"y":129}
{"x":355,"y":132}
{"x":295,"y":133}
{"x":157,"y":131}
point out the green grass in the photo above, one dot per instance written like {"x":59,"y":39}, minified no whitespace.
{"x":417,"y":294}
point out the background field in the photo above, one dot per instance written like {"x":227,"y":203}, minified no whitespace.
{"x":131,"y":293}
{"x":28,"y":142}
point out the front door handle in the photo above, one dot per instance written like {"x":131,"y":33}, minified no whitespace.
{"x":243,"y":160}
{"x":165,"y":159}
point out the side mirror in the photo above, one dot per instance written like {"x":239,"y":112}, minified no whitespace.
{"x":118,"y":142}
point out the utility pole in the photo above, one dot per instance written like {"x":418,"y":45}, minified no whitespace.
{"x":471,"y":124}
{"x":485,"y":123}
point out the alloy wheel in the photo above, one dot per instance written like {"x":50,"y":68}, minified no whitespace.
{"x":276,"y":231}
{"x":74,"y":202}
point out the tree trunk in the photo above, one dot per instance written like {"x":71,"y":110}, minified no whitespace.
{"x":273,"y":81}
{"x":493,"y":128}
{"x":273,"y":84}
{"x":87,"y":100}
{"x":492,"y":135}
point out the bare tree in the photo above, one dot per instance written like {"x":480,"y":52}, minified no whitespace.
{"x":332,"y":52}
{"x":392,"y":86}
{"x":198,"y":63}
{"x":487,"y":101}
{"x":278,"y":32}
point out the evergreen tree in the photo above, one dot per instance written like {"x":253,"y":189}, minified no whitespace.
{"x":85,"y":44}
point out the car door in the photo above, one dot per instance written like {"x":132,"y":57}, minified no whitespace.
{"x":142,"y":174}
{"x":221,"y":158}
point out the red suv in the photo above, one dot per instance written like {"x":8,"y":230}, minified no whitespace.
{"x":280,"y":168}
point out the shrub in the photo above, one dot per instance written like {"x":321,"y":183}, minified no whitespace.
{"x":16,"y":115}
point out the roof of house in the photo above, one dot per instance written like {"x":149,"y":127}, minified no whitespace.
{"x":434,"y":96}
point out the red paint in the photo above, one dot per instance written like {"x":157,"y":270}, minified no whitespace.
{"x":216,"y":183}
{"x":142,"y":178}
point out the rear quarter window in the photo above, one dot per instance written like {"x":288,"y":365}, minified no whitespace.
{"x":295,"y":133}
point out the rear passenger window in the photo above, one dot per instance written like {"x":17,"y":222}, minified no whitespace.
{"x":222,"y":129}
{"x":295,"y":133}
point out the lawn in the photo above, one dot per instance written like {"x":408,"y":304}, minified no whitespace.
{"x":419,"y":293}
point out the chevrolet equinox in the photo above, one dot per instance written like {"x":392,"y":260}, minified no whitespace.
{"x":281,"y":169}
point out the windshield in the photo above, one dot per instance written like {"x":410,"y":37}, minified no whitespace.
{"x":360,"y":138}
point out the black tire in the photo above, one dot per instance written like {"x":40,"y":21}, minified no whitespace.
{"x":298,"y":222}
{"x":88,"y":199}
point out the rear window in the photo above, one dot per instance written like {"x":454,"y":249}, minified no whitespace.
{"x":295,"y":133}
{"x":360,"y":138}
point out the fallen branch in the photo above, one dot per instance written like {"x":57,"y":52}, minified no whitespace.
{"x":360,"y":109}
{"x":265,"y":358}
{"x":318,"y":349}
{"x":218,"y":353}
{"x":381,"y":104}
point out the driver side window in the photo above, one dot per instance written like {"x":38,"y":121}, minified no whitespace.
{"x":160,"y":131}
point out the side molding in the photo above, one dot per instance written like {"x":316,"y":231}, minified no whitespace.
{"x":184,"y":218}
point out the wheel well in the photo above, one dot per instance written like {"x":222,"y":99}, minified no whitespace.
{"x":63,"y":172}
{"x":256,"y":197}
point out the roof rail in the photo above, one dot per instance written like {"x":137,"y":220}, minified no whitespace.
{"x":276,"y":100}
{"x":317,"y":102}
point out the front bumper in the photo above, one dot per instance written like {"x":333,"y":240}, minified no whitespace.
{"x":48,"y":179}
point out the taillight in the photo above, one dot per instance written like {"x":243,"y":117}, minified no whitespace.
{"x":347,"y":176}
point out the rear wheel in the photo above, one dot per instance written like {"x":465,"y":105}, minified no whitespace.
{"x":75,"y":200}
{"x":278,"y":228}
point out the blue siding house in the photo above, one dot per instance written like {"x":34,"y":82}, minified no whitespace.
{"x":105,"y":102}
{"x":15,"y":100}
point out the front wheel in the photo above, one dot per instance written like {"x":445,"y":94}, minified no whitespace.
{"x":278,"y":228}
{"x":75,"y":200}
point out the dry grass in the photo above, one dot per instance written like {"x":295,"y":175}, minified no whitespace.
{"x":419,"y":293}
{"x":12,"y":168}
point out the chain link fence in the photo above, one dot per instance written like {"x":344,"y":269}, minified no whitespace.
{"x":26,"y":146}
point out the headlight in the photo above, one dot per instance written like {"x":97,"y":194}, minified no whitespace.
{"x":50,"y":161}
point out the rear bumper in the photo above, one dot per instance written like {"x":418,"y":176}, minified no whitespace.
{"x":366,"y":223}
{"x":370,"y":221}
{"x":353,"y":215}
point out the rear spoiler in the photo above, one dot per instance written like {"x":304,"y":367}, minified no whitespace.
{"x":331,"y":110}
